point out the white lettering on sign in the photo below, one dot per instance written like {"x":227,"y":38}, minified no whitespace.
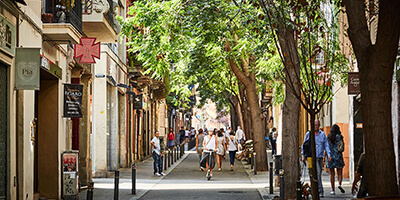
{"x":355,"y":81}
{"x":27,"y":71}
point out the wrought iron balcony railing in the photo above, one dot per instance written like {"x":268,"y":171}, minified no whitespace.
{"x":69,"y":11}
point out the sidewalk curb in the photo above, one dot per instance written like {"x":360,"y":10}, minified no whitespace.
{"x":261,"y":190}
{"x":143,"y":192}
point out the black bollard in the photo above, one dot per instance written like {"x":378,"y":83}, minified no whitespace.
{"x":251,"y":160}
{"x":299,"y":191}
{"x":169,"y":158}
{"x":116,"y":185}
{"x":133,"y":178}
{"x":271,"y":178}
{"x":89,"y":194}
{"x":282,"y":184}
{"x":165,"y":161}
{"x":255,"y":163}
{"x":178,"y":152}
{"x":172,"y":156}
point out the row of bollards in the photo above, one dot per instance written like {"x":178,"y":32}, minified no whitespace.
{"x":170,"y":157}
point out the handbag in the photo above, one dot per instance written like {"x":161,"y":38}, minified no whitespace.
{"x":341,"y":145}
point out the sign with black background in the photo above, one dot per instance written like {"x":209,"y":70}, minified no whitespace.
{"x":73,"y":100}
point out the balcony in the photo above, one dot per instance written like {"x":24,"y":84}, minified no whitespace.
{"x":62,"y":23}
{"x":99,"y":20}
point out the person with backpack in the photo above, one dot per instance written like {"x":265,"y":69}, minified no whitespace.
{"x":321,"y":145}
{"x":336,"y":145}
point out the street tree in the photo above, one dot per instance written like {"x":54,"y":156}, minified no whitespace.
{"x":302,"y":33}
{"x":376,"y":55}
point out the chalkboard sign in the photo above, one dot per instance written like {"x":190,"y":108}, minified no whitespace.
{"x":73,"y":100}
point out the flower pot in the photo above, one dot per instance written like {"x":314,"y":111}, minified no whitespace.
{"x":47,"y":17}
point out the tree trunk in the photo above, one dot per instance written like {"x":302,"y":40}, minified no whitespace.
{"x":313,"y":174}
{"x":257,"y":126}
{"x":245,"y":113}
{"x":376,"y":62}
{"x":291,"y":111}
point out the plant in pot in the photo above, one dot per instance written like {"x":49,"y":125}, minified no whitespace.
{"x":63,"y":7}
{"x":47,"y":17}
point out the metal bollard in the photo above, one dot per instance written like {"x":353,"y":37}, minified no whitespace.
{"x":165,"y":161}
{"x":299,"y":191}
{"x":89,"y":194}
{"x":133,"y":178}
{"x":172,"y":156}
{"x":181,"y":150}
{"x":251,"y":160}
{"x":271,"y":178}
{"x":255,"y":163}
{"x":176,"y":153}
{"x":116,"y":185}
{"x":169,"y":158}
{"x":282,"y":184}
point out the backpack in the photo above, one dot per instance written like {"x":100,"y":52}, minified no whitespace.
{"x":307,"y":148}
{"x":341,"y":144}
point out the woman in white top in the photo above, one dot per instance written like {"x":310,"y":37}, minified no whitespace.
{"x":210,"y":145}
{"x":221,"y":147}
{"x":232,"y":148}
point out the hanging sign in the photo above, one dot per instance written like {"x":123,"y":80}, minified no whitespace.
{"x":353,"y":83}
{"x":73,"y":100}
{"x":27,"y":69}
{"x":7,"y":36}
{"x":87,"y":50}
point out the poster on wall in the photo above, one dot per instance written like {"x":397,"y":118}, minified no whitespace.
{"x":27,"y":69}
{"x":73,"y":100}
{"x":70,"y":174}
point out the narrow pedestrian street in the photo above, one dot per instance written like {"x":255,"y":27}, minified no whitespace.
{"x":186,"y":181}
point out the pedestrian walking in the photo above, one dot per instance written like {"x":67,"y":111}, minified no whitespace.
{"x":232,"y":148}
{"x":171,"y":139}
{"x":321,"y":144}
{"x":187,"y":135}
{"x":181,"y":135}
{"x":336,"y":144}
{"x":240,"y":136}
{"x":273,"y":136}
{"x":192,"y":133}
{"x":199,"y":145}
{"x":221,"y":148}
{"x":210,"y":146}
{"x":157,"y":155}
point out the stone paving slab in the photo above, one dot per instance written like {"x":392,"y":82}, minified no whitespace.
{"x":145,"y":180}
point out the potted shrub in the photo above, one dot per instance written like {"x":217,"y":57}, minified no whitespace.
{"x":47,"y":17}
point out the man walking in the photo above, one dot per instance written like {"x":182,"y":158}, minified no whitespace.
{"x":321,"y":144}
{"x":155,"y":142}
{"x":272,"y":138}
{"x":181,"y":135}
{"x":240,"y":135}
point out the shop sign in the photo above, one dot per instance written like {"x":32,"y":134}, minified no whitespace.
{"x":87,"y":50}
{"x":138,"y":102}
{"x":27,"y":69}
{"x":73,"y":100}
{"x":7,"y":36}
{"x":45,"y":63}
{"x":353,"y":82}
